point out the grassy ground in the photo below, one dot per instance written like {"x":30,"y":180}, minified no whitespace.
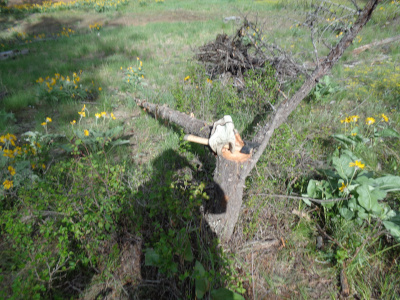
{"x":153,"y":175}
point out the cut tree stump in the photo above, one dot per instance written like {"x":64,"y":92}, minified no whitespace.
{"x":230,"y":175}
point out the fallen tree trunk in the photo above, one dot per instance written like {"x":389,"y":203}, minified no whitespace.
{"x":230,"y":174}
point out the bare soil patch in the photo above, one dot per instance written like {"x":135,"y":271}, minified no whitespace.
{"x":162,"y":17}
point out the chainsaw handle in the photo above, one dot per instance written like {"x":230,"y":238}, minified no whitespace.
{"x":195,"y":139}
{"x":204,"y":141}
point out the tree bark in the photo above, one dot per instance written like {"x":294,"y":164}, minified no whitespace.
{"x":230,"y":175}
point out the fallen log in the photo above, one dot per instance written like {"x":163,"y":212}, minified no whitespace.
{"x":374,"y":44}
{"x":230,"y":174}
{"x":12,"y":53}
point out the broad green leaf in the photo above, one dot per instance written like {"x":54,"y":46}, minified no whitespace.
{"x":329,"y":173}
{"x":199,"y":269}
{"x":346,"y":213}
{"x":120,"y":142}
{"x":387,"y":183}
{"x":152,"y":258}
{"x":393,"y":226}
{"x":201,"y":282}
{"x":312,"y":188}
{"x":362,"y":214}
{"x":341,"y":165}
{"x":387,"y":132}
{"x":369,"y":198}
{"x":328,"y":204}
{"x":350,"y":154}
{"x":352,"y":204}
{"x":187,"y":252}
{"x":225,"y":294}
{"x":352,"y":187}
{"x":344,"y":139}
{"x":364,"y":180}
{"x":306,"y":201}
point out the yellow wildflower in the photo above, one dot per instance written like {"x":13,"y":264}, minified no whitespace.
{"x":187,"y":78}
{"x":48,"y":120}
{"x":44,"y":124}
{"x":354,"y":134}
{"x":86,"y":132}
{"x":357,"y":164}
{"x":82,"y":114}
{"x":8,"y":184}
{"x":384,"y":118}
{"x":370,"y":121}
{"x":354,"y":118}
{"x":347,"y":120}
{"x":103,"y":114}
{"x":97,"y":115}
{"x":343,"y":187}
{"x":100,"y":89}
{"x":11,"y":170}
{"x":8,"y":153}
{"x":17,"y":151}
{"x":112,"y":116}
{"x":73,"y":122}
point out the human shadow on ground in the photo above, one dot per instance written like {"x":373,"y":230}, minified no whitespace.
{"x":174,"y":233}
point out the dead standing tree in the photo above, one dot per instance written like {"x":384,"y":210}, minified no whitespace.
{"x":230,"y":172}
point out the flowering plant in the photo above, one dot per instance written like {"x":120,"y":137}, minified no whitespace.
{"x":351,"y":187}
{"x":134,"y":76}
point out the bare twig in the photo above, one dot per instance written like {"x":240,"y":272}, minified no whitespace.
{"x":259,"y":245}
{"x":344,"y":284}
{"x":307,"y":198}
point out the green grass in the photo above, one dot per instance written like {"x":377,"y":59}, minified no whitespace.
{"x":163,"y":35}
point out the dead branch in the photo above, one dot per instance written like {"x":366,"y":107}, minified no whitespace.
{"x":374,"y":44}
{"x":259,"y":245}
{"x":188,"y":123}
{"x":344,"y":284}
{"x":319,"y":201}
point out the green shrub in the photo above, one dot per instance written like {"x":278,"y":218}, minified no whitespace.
{"x":59,"y":223}
{"x":61,"y":89}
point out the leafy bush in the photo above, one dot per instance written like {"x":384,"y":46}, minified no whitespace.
{"x":60,"y":222}
{"x":61,"y":89}
{"x":362,"y":194}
